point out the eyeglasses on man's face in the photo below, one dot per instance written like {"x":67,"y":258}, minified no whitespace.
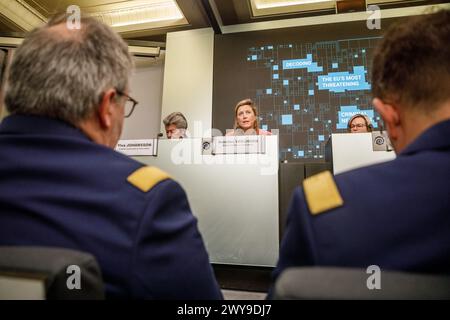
{"x":130,"y":103}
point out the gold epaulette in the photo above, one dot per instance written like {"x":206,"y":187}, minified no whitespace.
{"x":322,"y":193}
{"x":146,"y":178}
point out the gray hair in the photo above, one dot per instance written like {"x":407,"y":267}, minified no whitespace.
{"x":176,"y":118}
{"x":62,"y":73}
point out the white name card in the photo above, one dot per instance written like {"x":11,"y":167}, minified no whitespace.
{"x":238,"y":145}
{"x":140,"y":147}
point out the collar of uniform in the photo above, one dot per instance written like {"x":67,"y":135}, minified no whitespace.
{"x":435,"y":137}
{"x":30,"y":124}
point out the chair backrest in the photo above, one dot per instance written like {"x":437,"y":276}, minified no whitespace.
{"x":346,"y":283}
{"x":49,"y":273}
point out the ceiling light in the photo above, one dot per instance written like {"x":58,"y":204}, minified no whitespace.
{"x":265,"y":4}
{"x":141,"y":15}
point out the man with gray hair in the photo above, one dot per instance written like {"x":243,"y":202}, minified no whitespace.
{"x":62,"y":184}
{"x":176,"y":125}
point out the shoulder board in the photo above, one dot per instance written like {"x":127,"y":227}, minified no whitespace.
{"x":146,"y":178}
{"x":322,"y":193}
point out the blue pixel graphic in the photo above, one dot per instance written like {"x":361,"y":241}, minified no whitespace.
{"x":286,"y":119}
{"x":341,"y":81}
{"x":302,"y":63}
{"x":311,"y":90}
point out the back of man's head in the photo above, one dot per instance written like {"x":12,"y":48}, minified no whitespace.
{"x":61,"y":73}
{"x":411,"y":67}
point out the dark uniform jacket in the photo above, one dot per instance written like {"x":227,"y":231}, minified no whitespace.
{"x":395,"y":214}
{"x":60,"y":189}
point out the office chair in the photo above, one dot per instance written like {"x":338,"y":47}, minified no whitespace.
{"x":48,"y":273}
{"x":348,"y":284}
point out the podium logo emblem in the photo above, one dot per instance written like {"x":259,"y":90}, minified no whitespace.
{"x":379,"y":140}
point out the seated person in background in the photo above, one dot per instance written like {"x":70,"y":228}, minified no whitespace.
{"x":395,"y":214}
{"x":63,"y":185}
{"x":176,"y":125}
{"x":359,"y":123}
{"x":246,"y":120}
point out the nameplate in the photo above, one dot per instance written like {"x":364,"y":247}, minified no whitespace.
{"x":238,"y":145}
{"x":140,"y":147}
{"x":381,"y":142}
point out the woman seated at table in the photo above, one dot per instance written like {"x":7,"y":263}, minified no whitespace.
{"x":246,"y":120}
{"x":359,"y":123}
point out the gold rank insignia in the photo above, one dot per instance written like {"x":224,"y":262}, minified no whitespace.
{"x":146,"y":178}
{"x":322,"y":193}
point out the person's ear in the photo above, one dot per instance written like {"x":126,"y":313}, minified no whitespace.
{"x":105,"y":109}
{"x":390,"y":115}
